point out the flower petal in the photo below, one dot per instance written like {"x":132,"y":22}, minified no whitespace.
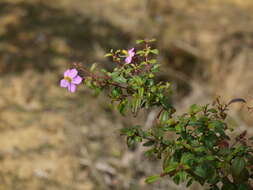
{"x":131,"y":50}
{"x":128,"y":59}
{"x":70,"y":73}
{"x":73,"y":73}
{"x":72,"y":87}
{"x":77,"y":80}
{"x":64,"y":83}
{"x":66,"y":73}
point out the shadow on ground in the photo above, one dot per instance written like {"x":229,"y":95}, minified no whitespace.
{"x":36,"y":35}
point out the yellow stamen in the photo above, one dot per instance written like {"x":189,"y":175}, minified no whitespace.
{"x":68,"y":79}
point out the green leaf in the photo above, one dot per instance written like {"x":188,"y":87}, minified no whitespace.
{"x":149,"y":143}
{"x":152,"y":179}
{"x":93,"y":67}
{"x":196,"y":123}
{"x":210,"y":157}
{"x":195,"y":109}
{"x":122,"y":106}
{"x":164,"y":116}
{"x":142,"y":133}
{"x":212,"y":110}
{"x":171,"y":167}
{"x":201,"y":171}
{"x":210,"y":141}
{"x":152,"y":61}
{"x":189,"y":183}
{"x":238,"y":164}
{"x":152,"y":40}
{"x":135,"y":105}
{"x":141,"y":91}
{"x":171,"y":122}
{"x":178,"y":128}
{"x":116,"y":77}
{"x":155,"y":51}
{"x":158,"y":131}
{"x":166,"y":103}
{"x":217,"y":125}
{"x":150,"y":152}
{"x":116,"y":92}
{"x":108,"y":55}
{"x":224,"y":151}
{"x":130,"y":141}
{"x":243,"y":187}
{"x":119,"y":79}
{"x":137,"y":139}
{"x":187,"y":146}
{"x":183,"y":175}
{"x":243,"y":177}
{"x":176,"y":179}
{"x":128,"y":131}
{"x":187,"y":158}
{"x":139,"y":41}
{"x":140,"y":52}
{"x":155,"y":68}
{"x":169,"y":128}
{"x":138,"y":80}
{"x":227,"y":185}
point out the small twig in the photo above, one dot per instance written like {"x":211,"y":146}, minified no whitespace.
{"x":160,"y":112}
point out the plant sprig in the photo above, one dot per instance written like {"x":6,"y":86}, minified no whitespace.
{"x":200,"y":149}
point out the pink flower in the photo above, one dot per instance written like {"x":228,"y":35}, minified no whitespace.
{"x":71,"y":79}
{"x":129,"y":58}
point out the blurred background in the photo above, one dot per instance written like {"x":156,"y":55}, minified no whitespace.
{"x":54,"y":140}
